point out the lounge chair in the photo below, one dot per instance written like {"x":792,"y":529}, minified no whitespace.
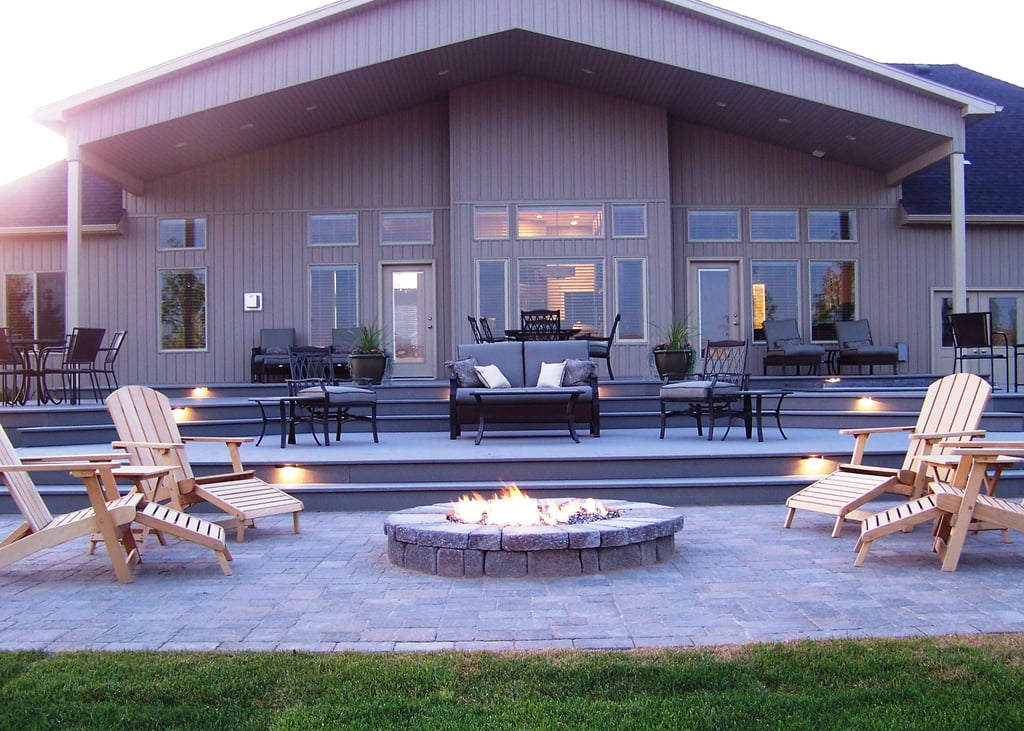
{"x":109,"y":515}
{"x":146,"y":428}
{"x":856,"y":348}
{"x":950,"y":413}
{"x":787,"y":348}
{"x":270,"y":357}
{"x":957,"y":507}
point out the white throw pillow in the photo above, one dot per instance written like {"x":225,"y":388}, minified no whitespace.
{"x":492,"y":376}
{"x":550,"y":375}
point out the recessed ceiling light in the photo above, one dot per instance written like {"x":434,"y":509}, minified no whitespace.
{"x":442,"y":72}
{"x":588,"y":72}
{"x":723,"y":105}
{"x":785,"y":120}
{"x":247,"y":125}
{"x":819,"y":153}
{"x":312,"y":108}
{"x":851,"y":138}
{"x":181,"y":144}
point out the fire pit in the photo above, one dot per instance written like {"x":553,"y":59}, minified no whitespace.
{"x":514,"y":536}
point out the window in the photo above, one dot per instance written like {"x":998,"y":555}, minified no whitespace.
{"x":713,"y":225}
{"x":560,"y":222}
{"x":182,"y":309}
{"x":333,"y":229}
{"x":35,"y":305}
{"x":631,"y":298}
{"x":333,"y":296}
{"x":629,"y":221}
{"x":182,"y":233}
{"x":573,"y":286}
{"x":833,"y":296}
{"x":490,"y":222}
{"x":414,"y":227}
{"x":774,"y":293}
{"x":492,"y":293}
{"x":773,"y":226}
{"x":831,"y":226}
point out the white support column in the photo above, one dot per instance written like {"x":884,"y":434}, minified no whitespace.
{"x":958,"y":206}
{"x":74,"y":246}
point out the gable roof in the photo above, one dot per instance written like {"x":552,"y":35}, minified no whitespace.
{"x":38,"y":203}
{"x":354,"y":60}
{"x":995,"y":148}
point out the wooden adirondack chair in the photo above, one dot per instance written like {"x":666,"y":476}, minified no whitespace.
{"x":146,"y":428}
{"x":950,"y":413}
{"x":109,"y":515}
{"x":956,"y":507}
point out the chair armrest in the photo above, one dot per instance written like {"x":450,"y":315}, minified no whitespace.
{"x":876,"y":430}
{"x":166,"y":446}
{"x":939,"y":436}
{"x":59,"y":466}
{"x":232,"y":443}
{"x":110,"y":457}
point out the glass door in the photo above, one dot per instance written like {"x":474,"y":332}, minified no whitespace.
{"x":409,"y":319}
{"x":1005,"y":307}
{"x":714,"y":301}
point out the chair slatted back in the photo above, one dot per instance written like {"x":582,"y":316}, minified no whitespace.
{"x":970,"y":329}
{"x":311,"y":363}
{"x":113,"y":349}
{"x":541,"y":324}
{"x":474,"y":327}
{"x":84,"y":346}
{"x":22,"y":489}
{"x":725,"y":361}
{"x":953,"y":403}
{"x":141,"y":414}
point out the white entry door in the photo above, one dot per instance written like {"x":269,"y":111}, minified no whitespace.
{"x":1004,"y":306}
{"x":714,"y":303}
{"x":409,"y":318}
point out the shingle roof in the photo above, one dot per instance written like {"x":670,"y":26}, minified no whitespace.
{"x":41,"y":199}
{"x":995,"y":147}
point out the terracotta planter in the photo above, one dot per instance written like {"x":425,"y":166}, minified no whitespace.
{"x":368,"y":367}
{"x":673,"y":364}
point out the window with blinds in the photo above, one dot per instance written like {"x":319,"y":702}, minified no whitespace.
{"x":705,"y":225}
{"x":181,"y":233}
{"x":333,"y":229}
{"x":408,"y":227}
{"x":631,"y":298}
{"x":560,"y":222}
{"x":831,"y":226}
{"x":629,"y":221}
{"x":774,"y":226}
{"x":34,"y":303}
{"x":775,"y":293}
{"x":575,"y":287}
{"x":492,"y":293}
{"x":833,"y":295}
{"x":333,"y":299}
{"x":490,"y":223}
{"x":182,"y":309}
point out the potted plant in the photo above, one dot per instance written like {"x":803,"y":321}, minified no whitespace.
{"x":368,"y":360}
{"x":673,"y":354}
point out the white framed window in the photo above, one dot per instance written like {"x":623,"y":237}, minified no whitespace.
{"x":713,"y":225}
{"x":333,"y":300}
{"x":492,"y":293}
{"x":407,"y":227}
{"x":574,"y":287}
{"x":181,"y":233}
{"x":333,"y":229}
{"x":34,"y":305}
{"x":774,"y":293}
{"x":182,"y":309}
{"x":774,"y":226}
{"x":629,"y":221}
{"x":490,"y":223}
{"x":833,"y":296}
{"x":831,"y":226}
{"x":560,"y":222}
{"x":631,"y":299}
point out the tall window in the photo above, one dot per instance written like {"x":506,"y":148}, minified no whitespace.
{"x":573,"y":286}
{"x":773,"y":226}
{"x":333,"y":298}
{"x":560,"y":222}
{"x":333,"y":229}
{"x":410,"y":227}
{"x":831,"y":226}
{"x":492,"y":293}
{"x":833,"y":294}
{"x":182,"y":309}
{"x":35,"y":305}
{"x":182,"y":233}
{"x":631,"y":298}
{"x":774,"y":293}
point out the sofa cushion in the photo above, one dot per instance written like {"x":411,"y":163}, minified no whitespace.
{"x":578,"y":372}
{"x":551,"y":375}
{"x":492,"y":376}
{"x":464,"y":372}
{"x":507,"y":356}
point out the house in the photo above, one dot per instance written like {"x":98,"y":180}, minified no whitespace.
{"x":410,"y":162}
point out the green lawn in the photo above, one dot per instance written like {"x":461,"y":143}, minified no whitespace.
{"x":944,"y":683}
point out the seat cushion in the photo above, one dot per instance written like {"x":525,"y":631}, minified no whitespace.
{"x":803,"y":350}
{"x":694,"y":390}
{"x":348,"y":395}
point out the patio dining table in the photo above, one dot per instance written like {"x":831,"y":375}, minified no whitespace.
{"x":34,"y":352}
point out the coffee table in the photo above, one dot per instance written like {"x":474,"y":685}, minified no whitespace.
{"x":493,"y":404}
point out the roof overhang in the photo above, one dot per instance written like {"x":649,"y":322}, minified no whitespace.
{"x":691,"y":93}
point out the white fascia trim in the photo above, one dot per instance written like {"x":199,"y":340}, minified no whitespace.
{"x":96,"y":229}
{"x":52,"y":115}
{"x":970,"y":104}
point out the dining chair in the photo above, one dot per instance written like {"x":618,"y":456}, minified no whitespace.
{"x":541,"y":324}
{"x":77,"y":359}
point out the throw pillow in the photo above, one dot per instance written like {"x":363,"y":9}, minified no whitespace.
{"x":551,"y":375}
{"x":492,"y":376}
{"x":578,"y":372}
{"x":854,"y":344}
{"x":783,"y":343}
{"x":465,"y":372}
{"x":275,"y":351}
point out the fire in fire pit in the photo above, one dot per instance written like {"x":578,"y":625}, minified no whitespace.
{"x":516,"y":508}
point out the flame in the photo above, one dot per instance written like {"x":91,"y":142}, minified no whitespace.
{"x":515,"y":507}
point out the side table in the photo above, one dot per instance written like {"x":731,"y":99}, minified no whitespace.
{"x":286,"y":411}
{"x":752,"y":412}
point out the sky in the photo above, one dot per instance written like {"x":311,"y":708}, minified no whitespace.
{"x":54,"y":49}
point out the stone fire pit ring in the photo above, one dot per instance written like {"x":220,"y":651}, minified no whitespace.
{"x":423,"y":539}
